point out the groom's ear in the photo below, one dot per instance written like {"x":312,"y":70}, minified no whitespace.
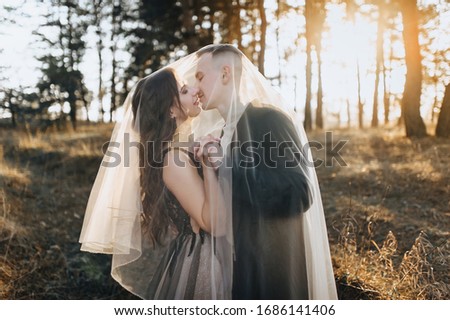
{"x":226,"y":74}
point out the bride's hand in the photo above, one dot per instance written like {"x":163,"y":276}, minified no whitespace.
{"x":209,"y":151}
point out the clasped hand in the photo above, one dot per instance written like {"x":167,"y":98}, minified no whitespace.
{"x":208,"y":150}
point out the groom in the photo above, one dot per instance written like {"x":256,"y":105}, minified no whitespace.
{"x":270,"y":186}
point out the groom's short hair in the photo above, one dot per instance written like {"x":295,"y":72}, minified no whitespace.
{"x":217,"y":49}
{"x":222,"y":50}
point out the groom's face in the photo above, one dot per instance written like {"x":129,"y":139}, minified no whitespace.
{"x":207,"y":75}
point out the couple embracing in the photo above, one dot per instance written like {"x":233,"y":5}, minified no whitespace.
{"x":214,"y":196}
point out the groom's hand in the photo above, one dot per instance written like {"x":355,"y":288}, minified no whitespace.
{"x":209,"y":151}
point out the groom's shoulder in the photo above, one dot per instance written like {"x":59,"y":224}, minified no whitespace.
{"x":265,"y":113}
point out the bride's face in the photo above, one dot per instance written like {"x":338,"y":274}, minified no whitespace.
{"x":189,"y":100}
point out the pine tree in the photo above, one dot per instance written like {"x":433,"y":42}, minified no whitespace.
{"x":62,"y":80}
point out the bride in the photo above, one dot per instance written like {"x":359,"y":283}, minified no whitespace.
{"x":174,"y":189}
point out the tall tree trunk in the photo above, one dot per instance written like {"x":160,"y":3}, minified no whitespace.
{"x":379,"y":62}
{"x":73,"y":110}
{"x":360,"y":103}
{"x":309,"y":42}
{"x":277,"y":34}
{"x":262,"y":14}
{"x":86,"y":107}
{"x":319,"y":110}
{"x":385,"y":93}
{"x":435,"y":103}
{"x":13,"y":118}
{"x":113,"y":105}
{"x":349,"y":120}
{"x":415,"y":127}
{"x":72,"y":99}
{"x":100,"y":77}
{"x":295,"y":92}
{"x":84,"y":94}
{"x":351,"y":9}
{"x":374,"y":122}
{"x":391,"y":61}
{"x":98,"y":19}
{"x":436,"y":89}
{"x":308,"y":116}
{"x":115,"y":30}
{"x":443,"y":124}
{"x":12,"y":108}
{"x":125,"y":88}
{"x":100,"y":72}
{"x":317,"y":18}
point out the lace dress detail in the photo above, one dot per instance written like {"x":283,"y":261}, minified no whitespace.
{"x":184,"y":271}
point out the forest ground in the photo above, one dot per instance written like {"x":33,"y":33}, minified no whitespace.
{"x":387,"y":211}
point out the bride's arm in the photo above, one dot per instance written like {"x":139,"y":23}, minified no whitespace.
{"x":214,"y":200}
{"x":197,"y":197}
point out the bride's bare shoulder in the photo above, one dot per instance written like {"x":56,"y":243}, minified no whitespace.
{"x":177,"y":160}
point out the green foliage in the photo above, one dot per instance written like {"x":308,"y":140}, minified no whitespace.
{"x":62,"y":81}
{"x":158,"y":32}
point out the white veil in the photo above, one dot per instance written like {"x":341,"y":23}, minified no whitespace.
{"x":112,"y":223}
{"x":113,"y":220}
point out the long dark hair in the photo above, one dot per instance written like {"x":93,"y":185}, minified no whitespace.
{"x":152,"y":99}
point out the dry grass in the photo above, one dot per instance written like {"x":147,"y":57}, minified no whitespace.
{"x":45,"y":180}
{"x":387,"y":211}
{"x":388,"y":215}
{"x":374,"y":271}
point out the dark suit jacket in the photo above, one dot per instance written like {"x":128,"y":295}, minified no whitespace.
{"x":270,"y":193}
